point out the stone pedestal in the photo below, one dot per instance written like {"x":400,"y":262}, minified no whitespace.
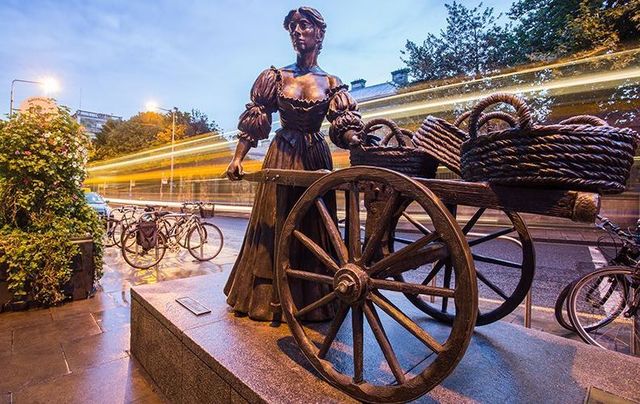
{"x":221,"y":358}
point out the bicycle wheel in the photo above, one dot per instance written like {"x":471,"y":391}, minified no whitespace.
{"x":139,"y":257}
{"x":596,"y":304}
{"x":204,"y":241}
{"x":561,"y":310}
{"x":109,"y":239}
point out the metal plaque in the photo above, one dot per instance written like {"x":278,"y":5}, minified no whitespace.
{"x":193,"y":306}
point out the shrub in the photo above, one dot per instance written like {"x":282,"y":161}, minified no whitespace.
{"x":42,"y":205}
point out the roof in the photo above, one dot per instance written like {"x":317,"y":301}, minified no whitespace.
{"x":374,"y":91}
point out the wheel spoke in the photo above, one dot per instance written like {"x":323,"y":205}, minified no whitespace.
{"x":448,"y":270}
{"x":403,"y":254}
{"x":491,"y":286}
{"x":310,"y":276}
{"x":491,"y":236}
{"x":381,"y":336}
{"x":431,"y":253}
{"x":411,"y":288}
{"x":332,"y":230}
{"x":423,"y":229}
{"x":380,"y":228}
{"x":318,"y":303}
{"x":406,"y":322}
{"x":337,"y":321}
{"x":434,"y":271}
{"x":358,"y":343}
{"x":496,"y":261}
{"x":353,"y":224}
{"x":472,"y":222}
{"x":317,"y":251}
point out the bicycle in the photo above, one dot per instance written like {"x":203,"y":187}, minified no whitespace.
{"x":596,"y":301}
{"x":115,"y":226}
{"x":203,"y":240}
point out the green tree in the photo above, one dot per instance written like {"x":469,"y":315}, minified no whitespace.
{"x":547,"y":29}
{"x":471,"y":44}
{"x":148,"y":129}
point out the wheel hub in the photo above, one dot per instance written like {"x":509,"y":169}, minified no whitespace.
{"x":351,"y":283}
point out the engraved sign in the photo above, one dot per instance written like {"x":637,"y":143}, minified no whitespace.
{"x":193,"y":306}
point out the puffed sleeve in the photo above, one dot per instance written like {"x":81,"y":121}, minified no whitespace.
{"x":255,"y":121}
{"x":344,"y":116}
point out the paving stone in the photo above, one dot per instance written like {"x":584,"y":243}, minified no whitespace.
{"x":26,"y":368}
{"x":67,"y":329}
{"x":113,"y":318}
{"x":6,"y":339}
{"x":97,"y":349}
{"x":99,"y":302}
{"x":119,"y":381}
{"x":19,"y":319}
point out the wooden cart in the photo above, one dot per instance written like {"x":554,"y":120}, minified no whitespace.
{"x":362,"y":270}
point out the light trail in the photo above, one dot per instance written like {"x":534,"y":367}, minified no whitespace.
{"x":581,"y":84}
{"x":505,"y":75}
{"x":556,"y":85}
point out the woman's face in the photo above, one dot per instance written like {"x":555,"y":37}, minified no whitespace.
{"x":304,"y":34}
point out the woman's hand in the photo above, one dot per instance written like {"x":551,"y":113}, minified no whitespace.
{"x":234,"y":170}
{"x":353,"y":138}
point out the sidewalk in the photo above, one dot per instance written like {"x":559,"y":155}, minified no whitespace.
{"x":79,"y":352}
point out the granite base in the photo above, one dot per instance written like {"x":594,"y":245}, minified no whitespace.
{"x":221,"y":358}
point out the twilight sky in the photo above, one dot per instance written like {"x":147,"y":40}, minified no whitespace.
{"x":113,"y":56}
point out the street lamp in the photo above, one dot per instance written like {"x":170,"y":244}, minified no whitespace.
{"x":153,"y":106}
{"x":48,"y":84}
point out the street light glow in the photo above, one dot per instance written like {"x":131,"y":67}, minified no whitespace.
{"x":49,"y":85}
{"x":151,"y":106}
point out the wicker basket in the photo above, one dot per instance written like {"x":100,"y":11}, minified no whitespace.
{"x":404,"y":158}
{"x":581,"y":153}
{"x":443,"y":140}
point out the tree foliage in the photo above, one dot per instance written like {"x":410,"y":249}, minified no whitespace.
{"x":148,"y":129}
{"x":474,"y":43}
{"x":42,"y":204}
{"x":471,"y":44}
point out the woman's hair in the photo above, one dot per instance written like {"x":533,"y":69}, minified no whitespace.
{"x":312,"y":15}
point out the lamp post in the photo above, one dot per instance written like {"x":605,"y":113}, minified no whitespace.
{"x":151,"y":106}
{"x":48,"y":85}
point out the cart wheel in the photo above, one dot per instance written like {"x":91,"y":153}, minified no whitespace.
{"x":505,"y":271}
{"x":401,"y":354}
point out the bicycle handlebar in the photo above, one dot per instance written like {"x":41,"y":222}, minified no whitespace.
{"x":610,"y":227}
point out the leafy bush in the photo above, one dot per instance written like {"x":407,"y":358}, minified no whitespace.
{"x":42,"y":205}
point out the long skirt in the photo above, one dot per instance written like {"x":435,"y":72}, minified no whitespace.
{"x":250,"y":287}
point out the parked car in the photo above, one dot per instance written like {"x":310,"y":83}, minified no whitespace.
{"x":98,"y":203}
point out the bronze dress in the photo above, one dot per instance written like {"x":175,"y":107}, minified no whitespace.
{"x":298,"y":145}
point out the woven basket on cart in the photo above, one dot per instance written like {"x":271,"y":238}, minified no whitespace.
{"x":485,"y":119}
{"x":581,"y":153}
{"x":443,"y":140}
{"x":403,"y":157}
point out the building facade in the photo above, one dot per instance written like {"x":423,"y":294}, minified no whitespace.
{"x":93,"y":121}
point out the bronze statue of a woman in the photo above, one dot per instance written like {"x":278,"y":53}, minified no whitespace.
{"x":304,"y":95}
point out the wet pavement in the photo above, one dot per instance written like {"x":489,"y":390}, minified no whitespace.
{"x":79,"y":352}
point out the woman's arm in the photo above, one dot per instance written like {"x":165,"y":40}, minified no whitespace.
{"x":346,"y":123}
{"x":234,"y":170}
{"x":255,"y":121}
